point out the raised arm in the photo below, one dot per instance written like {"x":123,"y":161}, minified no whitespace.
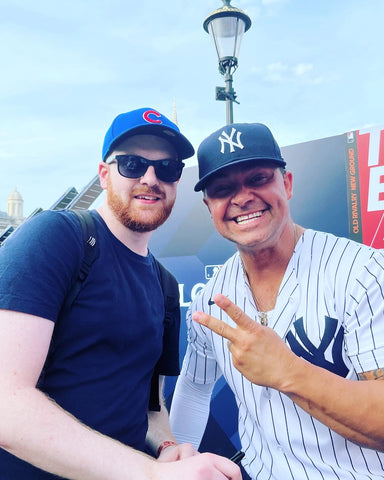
{"x":354,"y":409}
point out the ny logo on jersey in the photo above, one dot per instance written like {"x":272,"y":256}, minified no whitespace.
{"x":316,"y":355}
{"x":225,"y":138}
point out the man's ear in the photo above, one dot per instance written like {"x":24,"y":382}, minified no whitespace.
{"x":103,"y":175}
{"x":207,"y":204}
{"x":288,"y":184}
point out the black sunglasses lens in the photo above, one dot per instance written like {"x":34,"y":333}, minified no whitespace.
{"x":168,"y":170}
{"x":132,"y":166}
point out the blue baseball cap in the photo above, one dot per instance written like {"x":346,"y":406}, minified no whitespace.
{"x":146,"y":121}
{"x":233,"y":144}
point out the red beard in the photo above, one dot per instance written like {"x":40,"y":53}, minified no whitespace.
{"x":131,"y":217}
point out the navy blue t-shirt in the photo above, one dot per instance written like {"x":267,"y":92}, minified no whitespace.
{"x":103,"y":350}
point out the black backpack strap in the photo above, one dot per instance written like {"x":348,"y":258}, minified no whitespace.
{"x":169,"y":361}
{"x":90,"y":245}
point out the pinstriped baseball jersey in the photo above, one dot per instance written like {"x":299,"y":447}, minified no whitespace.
{"x":330,"y":311}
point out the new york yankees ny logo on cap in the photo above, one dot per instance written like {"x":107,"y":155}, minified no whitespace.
{"x":228,"y":139}
{"x":234,"y":144}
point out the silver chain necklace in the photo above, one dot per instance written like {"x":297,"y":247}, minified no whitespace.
{"x":263,"y":315}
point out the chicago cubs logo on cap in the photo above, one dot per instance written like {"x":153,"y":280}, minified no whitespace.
{"x":149,"y":114}
{"x":146,"y":121}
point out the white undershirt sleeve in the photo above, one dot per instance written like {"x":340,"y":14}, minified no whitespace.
{"x":190,"y":410}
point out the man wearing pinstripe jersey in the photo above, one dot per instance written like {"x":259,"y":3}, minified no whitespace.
{"x":294,"y":321}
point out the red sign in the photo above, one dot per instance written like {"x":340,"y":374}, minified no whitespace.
{"x":365,"y":183}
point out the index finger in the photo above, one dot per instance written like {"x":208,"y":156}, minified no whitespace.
{"x":214,"y":324}
{"x":238,"y":316}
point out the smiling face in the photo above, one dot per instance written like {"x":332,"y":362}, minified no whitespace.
{"x":140,"y":204}
{"x":249,"y":204}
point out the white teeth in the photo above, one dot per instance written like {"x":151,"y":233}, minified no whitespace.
{"x":248,"y":218}
{"x":144,"y":197}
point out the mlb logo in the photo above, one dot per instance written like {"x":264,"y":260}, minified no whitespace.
{"x":210,"y":270}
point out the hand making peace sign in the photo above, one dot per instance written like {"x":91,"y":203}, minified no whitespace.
{"x":257,"y":351}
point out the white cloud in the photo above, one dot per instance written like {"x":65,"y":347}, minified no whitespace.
{"x":279,"y":72}
{"x":302,"y":69}
{"x":276,"y":72}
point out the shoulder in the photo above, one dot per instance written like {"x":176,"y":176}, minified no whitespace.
{"x":330,"y":246}
{"x":43,"y":256}
{"x":343,"y":262}
{"x":224,"y":280}
{"x":48,"y":223}
{"x":231,"y":268}
{"x":50,"y":235}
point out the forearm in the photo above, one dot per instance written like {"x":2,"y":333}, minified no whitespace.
{"x":159,"y":429}
{"x":190,"y":410}
{"x":37,"y":430}
{"x":354,"y":409}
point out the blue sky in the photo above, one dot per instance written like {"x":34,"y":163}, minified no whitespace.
{"x":306,"y":69}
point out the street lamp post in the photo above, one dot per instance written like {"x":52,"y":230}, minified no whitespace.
{"x":226,"y":26}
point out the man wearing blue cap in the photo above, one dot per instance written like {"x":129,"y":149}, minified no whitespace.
{"x":75,"y":382}
{"x":293,"y":321}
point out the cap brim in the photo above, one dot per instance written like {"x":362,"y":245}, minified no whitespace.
{"x":201,"y":184}
{"x":182,"y":145}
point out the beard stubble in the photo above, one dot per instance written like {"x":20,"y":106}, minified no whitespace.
{"x":131,"y":217}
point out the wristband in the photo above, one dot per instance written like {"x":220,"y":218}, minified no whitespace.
{"x":167,"y":443}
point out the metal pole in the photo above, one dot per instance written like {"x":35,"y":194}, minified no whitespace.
{"x":230,"y":95}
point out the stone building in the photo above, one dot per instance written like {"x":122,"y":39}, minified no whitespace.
{"x":14,"y":215}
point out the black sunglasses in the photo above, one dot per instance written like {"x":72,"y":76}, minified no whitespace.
{"x":133,"y":166}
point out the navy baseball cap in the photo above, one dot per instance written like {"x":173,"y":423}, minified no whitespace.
{"x":146,"y":121}
{"x":233,"y":144}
